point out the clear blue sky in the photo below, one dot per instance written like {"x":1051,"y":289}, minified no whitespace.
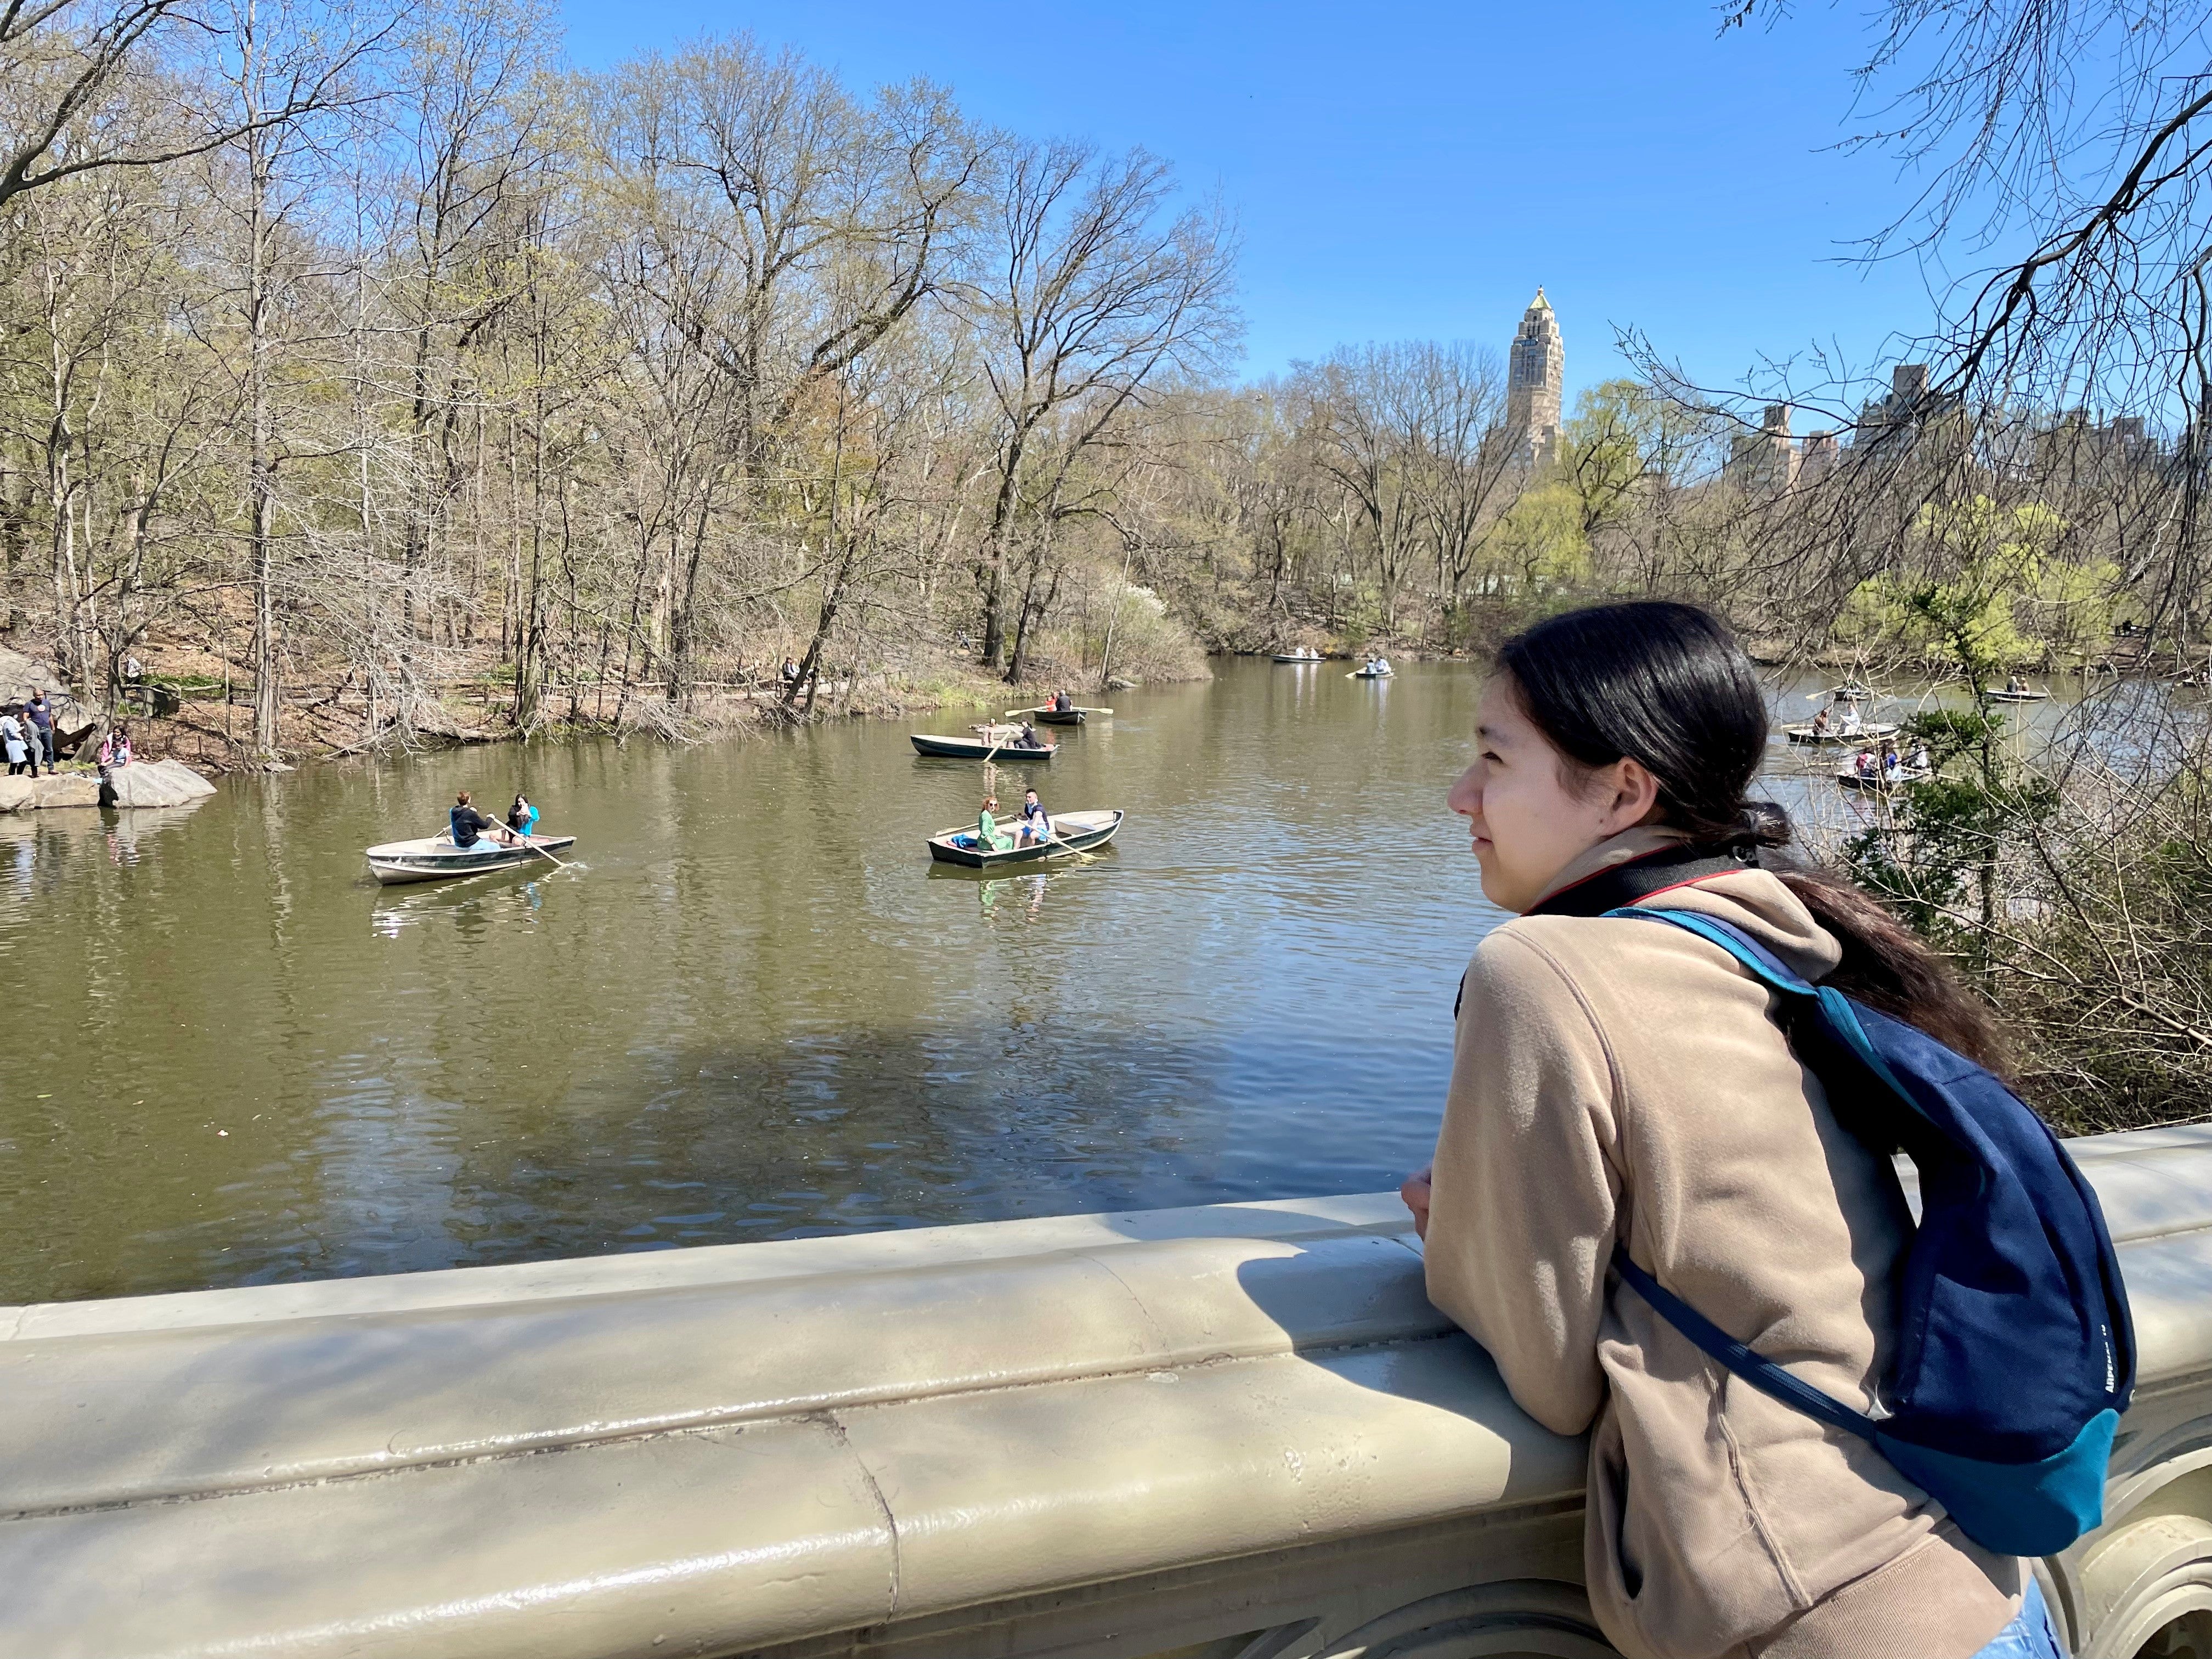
{"x":1413,"y":168}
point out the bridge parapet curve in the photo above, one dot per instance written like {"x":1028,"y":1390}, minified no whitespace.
{"x":1230,"y":1432}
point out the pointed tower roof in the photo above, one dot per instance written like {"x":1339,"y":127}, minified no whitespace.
{"x":1539,"y":303}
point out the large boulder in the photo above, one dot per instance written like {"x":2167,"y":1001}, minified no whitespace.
{"x":76,"y":719}
{"x":66,"y":789}
{"x":16,"y":793}
{"x":156,"y":783}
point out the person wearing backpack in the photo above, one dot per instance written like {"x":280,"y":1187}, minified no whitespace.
{"x":1650,"y":1196}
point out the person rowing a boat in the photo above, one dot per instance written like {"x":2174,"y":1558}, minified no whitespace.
{"x":1062,"y":704}
{"x":1035,"y":825}
{"x":1028,"y":737}
{"x":464,"y":824}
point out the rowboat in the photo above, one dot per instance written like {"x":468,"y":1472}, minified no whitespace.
{"x":1060,"y":716}
{"x":1295,"y":659}
{"x":1851,"y":778}
{"x":1872,"y":732}
{"x":1073,"y":832}
{"x":434,"y":858}
{"x":976,"y":749}
{"x":2016,"y":696}
{"x":1373,"y":673}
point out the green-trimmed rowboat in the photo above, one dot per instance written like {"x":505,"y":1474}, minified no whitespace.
{"x":1073,"y":832}
{"x":975,"y":748}
{"x":1057,"y":716}
{"x":1872,"y":732}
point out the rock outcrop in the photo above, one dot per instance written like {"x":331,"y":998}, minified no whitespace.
{"x":19,"y":676}
{"x":155,"y":783}
{"x":76,"y":719}
{"x":142,"y":783}
{"x":67,"y":789}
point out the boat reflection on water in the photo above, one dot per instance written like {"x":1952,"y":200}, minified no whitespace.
{"x":1026,"y":890}
{"x":469,"y":908}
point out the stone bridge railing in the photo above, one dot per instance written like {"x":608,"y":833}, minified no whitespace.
{"x":1189,"y":1434}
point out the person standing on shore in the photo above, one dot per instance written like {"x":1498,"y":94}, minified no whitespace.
{"x":17,"y":744}
{"x":1621,"y":1093}
{"x":41,"y":729}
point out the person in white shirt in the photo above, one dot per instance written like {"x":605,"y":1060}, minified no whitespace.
{"x":16,"y":743}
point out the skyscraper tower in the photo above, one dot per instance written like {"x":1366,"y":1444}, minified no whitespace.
{"x":1534,"y":380}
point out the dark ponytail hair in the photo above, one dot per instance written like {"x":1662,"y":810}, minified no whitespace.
{"x":1668,"y":686}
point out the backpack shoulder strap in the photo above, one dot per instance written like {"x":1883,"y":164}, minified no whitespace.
{"x":1731,"y":939}
{"x":1760,"y":1373}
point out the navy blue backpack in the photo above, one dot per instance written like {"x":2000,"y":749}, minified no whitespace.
{"x":2014,"y":1353}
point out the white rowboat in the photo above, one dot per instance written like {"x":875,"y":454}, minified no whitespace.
{"x":434,"y":858}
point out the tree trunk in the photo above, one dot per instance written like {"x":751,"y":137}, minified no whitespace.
{"x":809,"y":666}
{"x":261,"y":492}
{"x":1030,"y":618}
{"x":995,"y":553}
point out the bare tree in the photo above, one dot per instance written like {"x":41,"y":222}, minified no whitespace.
{"x":1089,"y":290}
{"x":64,"y":61}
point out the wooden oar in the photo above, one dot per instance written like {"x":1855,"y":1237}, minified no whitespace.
{"x":541,"y":852}
{"x":1071,"y":851}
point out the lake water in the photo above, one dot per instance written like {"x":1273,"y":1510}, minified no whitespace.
{"x":751,"y":1009}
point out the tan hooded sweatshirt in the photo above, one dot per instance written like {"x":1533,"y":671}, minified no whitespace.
{"x":1619,"y":1080}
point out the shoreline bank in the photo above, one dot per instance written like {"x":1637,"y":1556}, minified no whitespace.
{"x":324,"y":724}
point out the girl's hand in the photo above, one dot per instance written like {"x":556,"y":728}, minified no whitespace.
{"x":1415,"y":1192}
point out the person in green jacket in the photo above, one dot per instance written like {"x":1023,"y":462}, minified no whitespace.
{"x":988,"y":835}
